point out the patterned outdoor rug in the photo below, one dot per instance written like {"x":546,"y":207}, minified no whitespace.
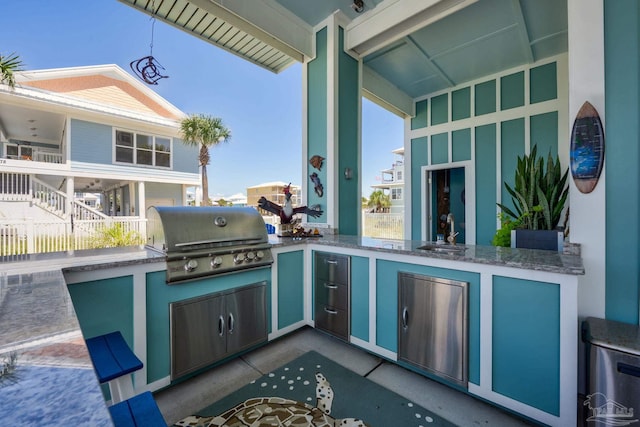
{"x":313,"y":391}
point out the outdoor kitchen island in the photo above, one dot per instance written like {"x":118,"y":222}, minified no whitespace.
{"x":522,"y":348}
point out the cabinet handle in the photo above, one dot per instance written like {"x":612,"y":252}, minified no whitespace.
{"x":628,"y":369}
{"x":221,"y":326}
{"x":405,"y":317}
{"x":332,"y":261}
{"x":231,"y":323}
{"x":330,"y":311}
{"x":326,"y":285}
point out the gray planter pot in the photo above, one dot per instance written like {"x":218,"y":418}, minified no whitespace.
{"x":537,"y":239}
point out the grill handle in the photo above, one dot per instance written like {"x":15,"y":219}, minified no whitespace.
{"x":220,"y":325}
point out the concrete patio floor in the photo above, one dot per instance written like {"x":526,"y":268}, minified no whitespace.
{"x":189,"y":396}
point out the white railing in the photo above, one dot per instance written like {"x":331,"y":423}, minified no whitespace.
{"x":84,"y":212}
{"x":15,"y":186}
{"x":383,"y":225}
{"x":47,"y":157}
{"x":39,"y":236}
{"x":49,"y":198}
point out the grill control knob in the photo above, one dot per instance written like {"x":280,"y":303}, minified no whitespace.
{"x":216,"y":262}
{"x":190,"y":265}
{"x":250,"y":256}
{"x":238,"y":258}
{"x":259,"y":255}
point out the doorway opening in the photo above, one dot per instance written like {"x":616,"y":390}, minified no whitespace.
{"x":448,"y":190}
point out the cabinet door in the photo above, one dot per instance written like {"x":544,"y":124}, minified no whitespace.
{"x":197,"y":334}
{"x":246,"y":318}
{"x":290,"y":288}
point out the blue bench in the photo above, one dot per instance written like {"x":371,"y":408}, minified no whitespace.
{"x":140,"y":410}
{"x":113,"y":361}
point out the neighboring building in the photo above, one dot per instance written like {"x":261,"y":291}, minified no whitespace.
{"x":93,"y":129}
{"x":272,"y":191}
{"x":393,"y":182}
{"x":237,"y":199}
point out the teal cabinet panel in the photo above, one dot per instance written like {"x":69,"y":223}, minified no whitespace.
{"x":543,"y":85}
{"x":290,"y":288}
{"x":485,"y":100}
{"x":440,"y":148}
{"x":440,"y":109}
{"x":420,"y":120}
{"x":160,"y":295}
{"x":387,"y":306}
{"x":104,"y":306}
{"x":360,"y":297}
{"x":512,"y":91}
{"x":461,"y":104}
{"x":526,"y":342}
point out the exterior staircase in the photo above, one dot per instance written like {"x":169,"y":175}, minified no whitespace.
{"x":40,"y":218}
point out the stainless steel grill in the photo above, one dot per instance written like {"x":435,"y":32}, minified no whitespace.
{"x":208,"y":241}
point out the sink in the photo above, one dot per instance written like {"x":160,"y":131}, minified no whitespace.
{"x":443,"y":249}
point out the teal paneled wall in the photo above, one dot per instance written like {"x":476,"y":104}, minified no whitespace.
{"x":348,"y":149}
{"x":511,"y":146}
{"x":439,"y":148}
{"x":160,"y":295}
{"x":485,"y":183}
{"x":485,"y":101}
{"x":461,"y":145}
{"x":290,"y":288}
{"x":439,"y":109}
{"x":622,"y":105}
{"x":526,"y":342}
{"x":543,"y":83}
{"x":360,"y":297}
{"x":461,"y":104}
{"x":387,"y":306}
{"x":317,"y":118}
{"x":420,"y":120}
{"x":419,"y":158}
{"x":509,"y":92}
{"x":91,"y":142}
{"x":544,"y":134}
{"x":512,"y":91}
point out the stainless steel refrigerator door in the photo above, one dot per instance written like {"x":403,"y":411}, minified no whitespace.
{"x":432,"y":325}
{"x":246,"y":318}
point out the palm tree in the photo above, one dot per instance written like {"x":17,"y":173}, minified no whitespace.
{"x":9,"y":64}
{"x":204,"y":131}
{"x":379,"y":200}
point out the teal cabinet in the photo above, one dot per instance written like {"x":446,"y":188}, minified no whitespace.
{"x":290,"y":288}
{"x":526,"y":342}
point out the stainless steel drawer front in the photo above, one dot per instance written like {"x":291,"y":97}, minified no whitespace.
{"x":332,"y":276}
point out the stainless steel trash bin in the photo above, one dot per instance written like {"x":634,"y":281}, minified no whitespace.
{"x":613,"y":377}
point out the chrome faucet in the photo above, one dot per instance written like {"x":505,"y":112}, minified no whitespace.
{"x":452,"y":232}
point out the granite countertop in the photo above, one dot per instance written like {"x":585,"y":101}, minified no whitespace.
{"x":530,"y":259}
{"x":45,"y":369}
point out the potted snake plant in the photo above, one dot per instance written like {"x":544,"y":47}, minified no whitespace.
{"x":539,"y":195}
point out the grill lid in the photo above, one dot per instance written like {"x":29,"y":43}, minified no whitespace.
{"x":184,"y":229}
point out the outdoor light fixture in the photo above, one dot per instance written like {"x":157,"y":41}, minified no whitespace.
{"x":358,"y":5}
{"x":348,"y":173}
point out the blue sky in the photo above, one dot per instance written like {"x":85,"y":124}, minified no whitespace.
{"x":262,"y":109}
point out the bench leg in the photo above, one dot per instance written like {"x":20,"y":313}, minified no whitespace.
{"x":121,"y":389}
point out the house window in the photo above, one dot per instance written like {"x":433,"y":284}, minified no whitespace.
{"x":396,"y":194}
{"x":19,"y":152}
{"x":141,"y":149}
{"x":399,"y":175}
